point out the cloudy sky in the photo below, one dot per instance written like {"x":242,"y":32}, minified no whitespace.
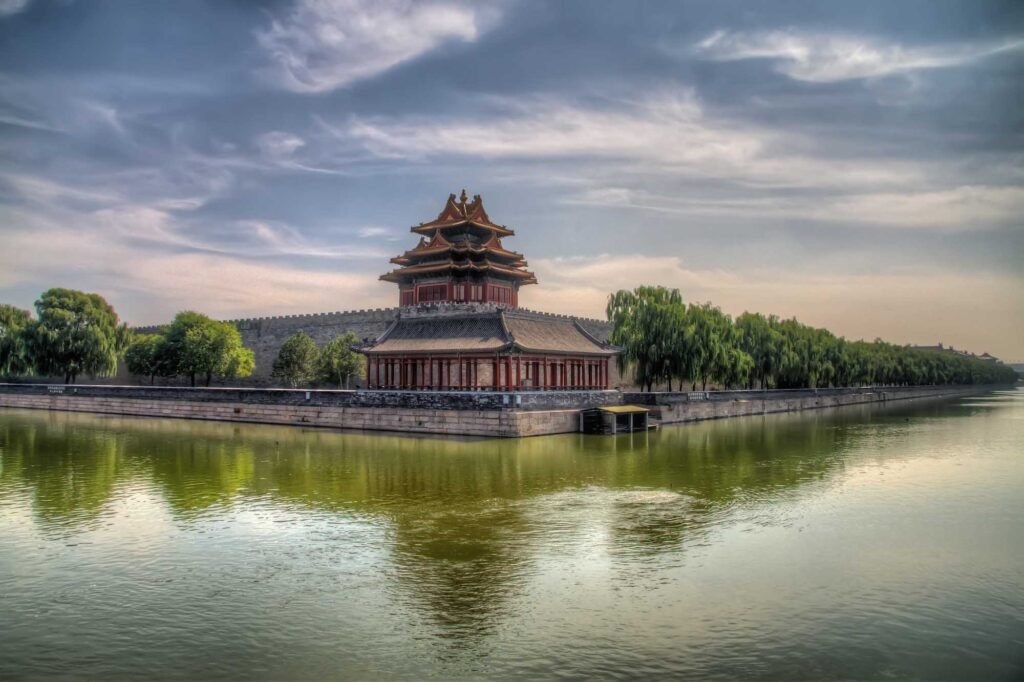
{"x":859,"y":165}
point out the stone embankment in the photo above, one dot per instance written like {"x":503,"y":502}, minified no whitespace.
{"x":670,"y":408}
{"x":470,"y":413}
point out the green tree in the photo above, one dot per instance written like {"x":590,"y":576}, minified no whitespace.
{"x":339,"y":363}
{"x":75,"y":333}
{"x":147,"y":356}
{"x":662,"y":340}
{"x":738,"y":367}
{"x":763,"y":343}
{"x":14,"y":353}
{"x":296,"y":362}
{"x":195,"y":346}
{"x":709,"y":345}
{"x":649,"y":324}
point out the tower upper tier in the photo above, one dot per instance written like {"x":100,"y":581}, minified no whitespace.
{"x":460,"y":257}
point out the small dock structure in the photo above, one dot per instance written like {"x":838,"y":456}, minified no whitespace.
{"x":614,"y":419}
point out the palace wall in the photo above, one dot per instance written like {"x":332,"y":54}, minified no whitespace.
{"x":264,"y":335}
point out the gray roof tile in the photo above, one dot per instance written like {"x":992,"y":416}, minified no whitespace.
{"x":488,"y":332}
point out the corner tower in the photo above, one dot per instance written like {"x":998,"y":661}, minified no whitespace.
{"x":460,"y":259}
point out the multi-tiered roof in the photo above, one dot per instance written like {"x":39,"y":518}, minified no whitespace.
{"x":472,"y":334}
{"x":461,"y":245}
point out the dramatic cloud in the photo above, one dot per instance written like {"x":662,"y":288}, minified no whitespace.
{"x":958,"y":208}
{"x":860,"y":170}
{"x":148,"y":286}
{"x":824,"y":58}
{"x":278,"y":145}
{"x":669,"y":135}
{"x":9,"y":7}
{"x":669,"y":127}
{"x":327,"y":44}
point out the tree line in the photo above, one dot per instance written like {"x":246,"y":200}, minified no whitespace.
{"x":75,"y":333}
{"x":667,"y":342}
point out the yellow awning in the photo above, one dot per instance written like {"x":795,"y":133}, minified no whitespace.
{"x":624,"y":409}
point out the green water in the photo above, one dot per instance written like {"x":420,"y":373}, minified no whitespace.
{"x":866,"y":542}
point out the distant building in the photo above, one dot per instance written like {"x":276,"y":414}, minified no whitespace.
{"x":459,"y":325}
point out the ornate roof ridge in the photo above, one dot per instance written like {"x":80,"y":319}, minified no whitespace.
{"x":463,"y":211}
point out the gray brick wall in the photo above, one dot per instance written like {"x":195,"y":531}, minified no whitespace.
{"x":264,"y":335}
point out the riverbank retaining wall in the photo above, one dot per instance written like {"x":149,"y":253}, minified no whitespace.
{"x":469,"y":413}
{"x":669,"y":408}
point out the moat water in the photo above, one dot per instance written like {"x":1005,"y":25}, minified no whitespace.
{"x":866,"y":542}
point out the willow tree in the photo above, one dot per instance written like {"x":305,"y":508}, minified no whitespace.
{"x":649,"y":324}
{"x":75,"y":333}
{"x":14,"y":354}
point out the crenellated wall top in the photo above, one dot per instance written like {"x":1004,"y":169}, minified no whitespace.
{"x":381,"y":314}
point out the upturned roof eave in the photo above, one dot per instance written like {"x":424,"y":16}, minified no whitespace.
{"x":526,"y":276}
{"x":426,"y":228}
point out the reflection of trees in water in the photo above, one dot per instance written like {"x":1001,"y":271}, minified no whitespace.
{"x":195,"y":474}
{"x":466,"y":516}
{"x":70,"y":474}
